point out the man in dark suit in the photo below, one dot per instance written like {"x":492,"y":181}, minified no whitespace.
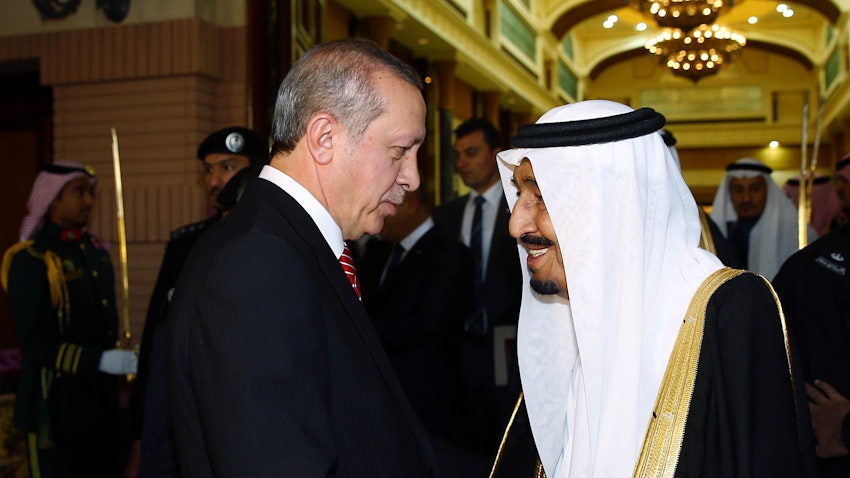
{"x":491,"y":376}
{"x":275,"y":368}
{"x":417,"y":288}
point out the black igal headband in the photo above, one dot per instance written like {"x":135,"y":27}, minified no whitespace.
{"x":590,"y":131}
{"x":749,"y":167}
{"x":59,"y":169}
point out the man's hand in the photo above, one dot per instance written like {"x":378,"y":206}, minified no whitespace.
{"x":828,"y":409}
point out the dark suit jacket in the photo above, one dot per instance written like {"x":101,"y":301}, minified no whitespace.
{"x":419,"y":314}
{"x":274,"y":367}
{"x":150,"y":420}
{"x":503,"y":281}
{"x":488,"y":407}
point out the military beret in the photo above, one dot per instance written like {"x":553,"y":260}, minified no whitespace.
{"x":236,"y":140}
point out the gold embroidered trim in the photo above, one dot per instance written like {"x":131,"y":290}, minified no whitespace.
{"x":59,"y":356}
{"x":76,"y":362}
{"x":32,"y":451}
{"x":538,"y":467}
{"x":538,"y":470}
{"x":59,"y":296}
{"x":505,"y":436}
{"x":706,"y":241}
{"x":787,"y":346}
{"x":659,"y":454}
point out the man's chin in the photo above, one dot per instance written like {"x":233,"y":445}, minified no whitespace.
{"x":374,"y":227}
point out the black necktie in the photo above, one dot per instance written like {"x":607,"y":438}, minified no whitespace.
{"x":476,"y":325}
{"x":475,"y":239}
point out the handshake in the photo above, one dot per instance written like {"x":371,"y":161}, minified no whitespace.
{"x":118,"y":362}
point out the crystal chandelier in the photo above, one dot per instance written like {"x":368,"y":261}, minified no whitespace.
{"x":683,"y":14}
{"x":697,"y":53}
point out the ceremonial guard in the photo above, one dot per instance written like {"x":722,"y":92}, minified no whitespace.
{"x":60,"y":284}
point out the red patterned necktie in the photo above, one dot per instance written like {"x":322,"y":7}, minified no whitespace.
{"x":347,"y":263}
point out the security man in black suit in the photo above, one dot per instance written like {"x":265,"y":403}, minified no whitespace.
{"x":222,"y":154}
{"x":491,"y":373}
{"x":418,"y":289}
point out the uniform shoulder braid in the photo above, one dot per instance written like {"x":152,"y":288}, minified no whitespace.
{"x":10,"y":253}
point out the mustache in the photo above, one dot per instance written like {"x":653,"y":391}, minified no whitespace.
{"x":527,"y":238}
{"x":396,"y":196}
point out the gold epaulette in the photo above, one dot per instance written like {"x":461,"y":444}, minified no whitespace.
{"x":7,"y":261}
{"x":59,"y":296}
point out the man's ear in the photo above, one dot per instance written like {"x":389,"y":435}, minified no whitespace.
{"x":323,"y":131}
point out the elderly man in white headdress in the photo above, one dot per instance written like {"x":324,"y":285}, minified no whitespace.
{"x":756,"y":217}
{"x":639,"y":352}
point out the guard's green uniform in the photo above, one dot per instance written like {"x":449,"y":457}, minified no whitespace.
{"x":62,"y":291}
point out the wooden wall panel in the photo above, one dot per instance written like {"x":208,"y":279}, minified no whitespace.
{"x":132,"y":51}
{"x":27,"y":46}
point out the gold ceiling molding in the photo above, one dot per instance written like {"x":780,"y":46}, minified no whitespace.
{"x":570,"y":17}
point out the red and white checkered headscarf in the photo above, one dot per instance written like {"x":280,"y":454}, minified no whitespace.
{"x":48,"y":184}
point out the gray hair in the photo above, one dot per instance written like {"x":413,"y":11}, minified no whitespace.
{"x":335,"y":78}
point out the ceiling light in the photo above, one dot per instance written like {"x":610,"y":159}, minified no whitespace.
{"x":698,"y":53}
{"x":683,"y":14}
{"x":753,"y":20}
